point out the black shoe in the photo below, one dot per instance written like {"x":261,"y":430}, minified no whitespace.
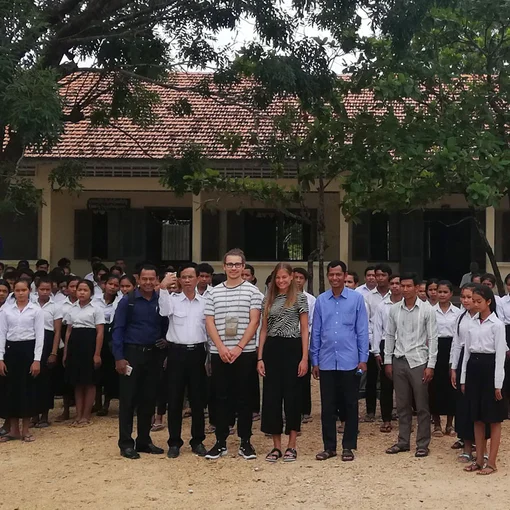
{"x":217,"y":451}
{"x":151,"y":448}
{"x":173,"y":452}
{"x":130,"y":453}
{"x":199,"y":450}
{"x":247,"y":451}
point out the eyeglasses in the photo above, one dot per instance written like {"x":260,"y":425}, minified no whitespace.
{"x":231,"y":265}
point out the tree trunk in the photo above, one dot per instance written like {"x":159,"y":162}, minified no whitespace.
{"x":490,"y":253}
{"x":321,"y":238}
{"x":311,"y":260}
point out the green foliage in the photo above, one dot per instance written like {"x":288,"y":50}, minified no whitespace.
{"x":66,"y":176}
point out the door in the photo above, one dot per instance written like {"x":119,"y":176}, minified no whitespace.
{"x":411,"y":242}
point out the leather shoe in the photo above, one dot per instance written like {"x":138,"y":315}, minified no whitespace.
{"x":173,"y":452}
{"x":199,"y":450}
{"x":130,"y":453}
{"x":150,"y":448}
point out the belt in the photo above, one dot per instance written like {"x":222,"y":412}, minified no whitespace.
{"x":140,"y":347}
{"x":188,"y":347}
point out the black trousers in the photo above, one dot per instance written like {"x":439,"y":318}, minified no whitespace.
{"x":306,"y":391}
{"x":386,"y":395}
{"x":282,"y":385}
{"x":339,"y":386}
{"x":371,"y":384}
{"x":162,"y":395}
{"x":232,"y":387}
{"x":138,"y":392}
{"x":186,"y":371}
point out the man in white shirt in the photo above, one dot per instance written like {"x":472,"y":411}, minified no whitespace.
{"x":410,"y":357}
{"x":370,"y":281}
{"x":301,"y":277}
{"x":186,"y":357}
{"x":93,"y":262}
{"x":466,"y":278}
{"x":205,"y":274}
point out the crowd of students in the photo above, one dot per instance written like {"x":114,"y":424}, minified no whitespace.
{"x":160,"y":337}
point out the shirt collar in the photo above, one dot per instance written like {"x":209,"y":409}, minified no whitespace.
{"x":438,"y":308}
{"x":343,"y":294}
{"x":138,"y":295}
{"x":13,"y":304}
{"x":419,"y":303}
{"x":197,"y":297}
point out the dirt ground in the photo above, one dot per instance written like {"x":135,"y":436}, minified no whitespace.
{"x":81,"y":468}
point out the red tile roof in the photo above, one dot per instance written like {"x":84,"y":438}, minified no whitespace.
{"x":210,"y":116}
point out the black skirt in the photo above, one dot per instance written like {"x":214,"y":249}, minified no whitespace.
{"x":483,"y":405}
{"x":80,"y":357}
{"x":18,"y":392}
{"x":442,"y":395}
{"x":44,"y":386}
{"x":109,"y":377}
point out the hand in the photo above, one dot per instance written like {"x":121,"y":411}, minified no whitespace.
{"x":498,"y":394}
{"x":225,"y":354}
{"x":52,"y":360}
{"x":261,"y":368}
{"x":35,"y":368}
{"x":121,"y":366}
{"x":362,"y":366}
{"x":235,"y":352}
{"x":161,"y":343}
{"x":378,"y":360}
{"x":453,"y":377}
{"x":315,"y":372}
{"x":3,"y":369}
{"x":302,"y":368}
{"x":388,"y":370}
{"x":428,"y":374}
{"x":97,"y":361}
{"x":463,"y":388}
{"x":169,"y":281}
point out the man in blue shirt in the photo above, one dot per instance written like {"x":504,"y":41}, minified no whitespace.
{"x":138,"y":327}
{"x":339,"y":354}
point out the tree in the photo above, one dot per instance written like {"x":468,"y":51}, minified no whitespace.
{"x":442,"y":126}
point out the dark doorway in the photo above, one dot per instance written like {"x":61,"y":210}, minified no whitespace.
{"x":450,"y":244}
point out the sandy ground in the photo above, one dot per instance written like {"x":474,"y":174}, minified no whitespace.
{"x":81,"y":468}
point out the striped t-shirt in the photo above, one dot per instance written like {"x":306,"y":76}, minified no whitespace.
{"x":237,"y":302}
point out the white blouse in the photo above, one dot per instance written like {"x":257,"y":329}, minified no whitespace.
{"x":504,"y":308}
{"x":88,"y":316}
{"x":52,"y":312}
{"x":459,"y":337}
{"x":19,"y":326}
{"x":108,"y":309}
{"x":487,"y":337}
{"x":446,"y":321}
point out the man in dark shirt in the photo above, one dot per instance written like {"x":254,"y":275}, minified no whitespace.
{"x":138,"y":327}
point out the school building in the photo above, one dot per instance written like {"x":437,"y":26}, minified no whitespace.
{"x":123,"y":210}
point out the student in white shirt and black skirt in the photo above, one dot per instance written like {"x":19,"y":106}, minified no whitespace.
{"x":283,"y":360}
{"x":483,"y":372}
{"x":82,"y":354}
{"x":21,"y":345}
{"x":52,"y":330}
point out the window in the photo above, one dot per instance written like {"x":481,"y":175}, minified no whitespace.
{"x":376,"y":237}
{"x":19,"y":235}
{"x":502,"y":239}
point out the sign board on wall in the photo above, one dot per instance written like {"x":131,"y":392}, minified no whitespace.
{"x":108,"y":204}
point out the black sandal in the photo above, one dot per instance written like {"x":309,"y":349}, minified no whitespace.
{"x":422,"y":452}
{"x":396,"y":449}
{"x":290,"y":455}
{"x":325,"y":455}
{"x":347,"y":455}
{"x":274,"y":455}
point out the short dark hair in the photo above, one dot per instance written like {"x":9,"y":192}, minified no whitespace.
{"x":95,"y":260}
{"x":446,"y":283}
{"x":89,"y":284}
{"x":431,"y":281}
{"x":384,"y":268}
{"x":369,"y":268}
{"x":147,"y":267}
{"x":188,"y":265}
{"x":71,"y":278}
{"x":23,"y":263}
{"x":302,"y":271}
{"x":410,"y":276}
{"x":57,"y":275}
{"x":5,"y":283}
{"x":27,"y":271}
{"x":475,"y":275}
{"x":99,"y":267}
{"x":130,"y":278}
{"x":110,"y":276}
{"x":490,"y":277}
{"x":250,"y":268}
{"x":507,"y":277}
{"x":116,"y":268}
{"x":336,"y":263}
{"x":11,"y":275}
{"x":26,"y":281}
{"x":64,"y":262}
{"x":393,"y":276}
{"x":204,"y":267}
{"x":42,"y":262}
{"x":40,"y":274}
{"x":43,"y":279}
{"x":354,"y":275}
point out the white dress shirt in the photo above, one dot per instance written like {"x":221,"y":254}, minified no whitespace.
{"x":412,"y":333}
{"x":206,"y":293}
{"x":98,"y":291}
{"x":88,"y":316}
{"x":311,"y":307}
{"x":446,"y":321}
{"x":487,"y":337}
{"x":19,"y":326}
{"x":503,"y":308}
{"x":363,"y":289}
{"x":186,"y":319}
{"x":89,"y":276}
{"x":108,"y":308}
{"x":379,"y":324}
{"x":460,"y":334}
{"x":59,"y":298}
{"x":52,"y":312}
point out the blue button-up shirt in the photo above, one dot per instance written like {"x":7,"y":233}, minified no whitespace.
{"x":145,"y":327}
{"x":339,"y":331}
